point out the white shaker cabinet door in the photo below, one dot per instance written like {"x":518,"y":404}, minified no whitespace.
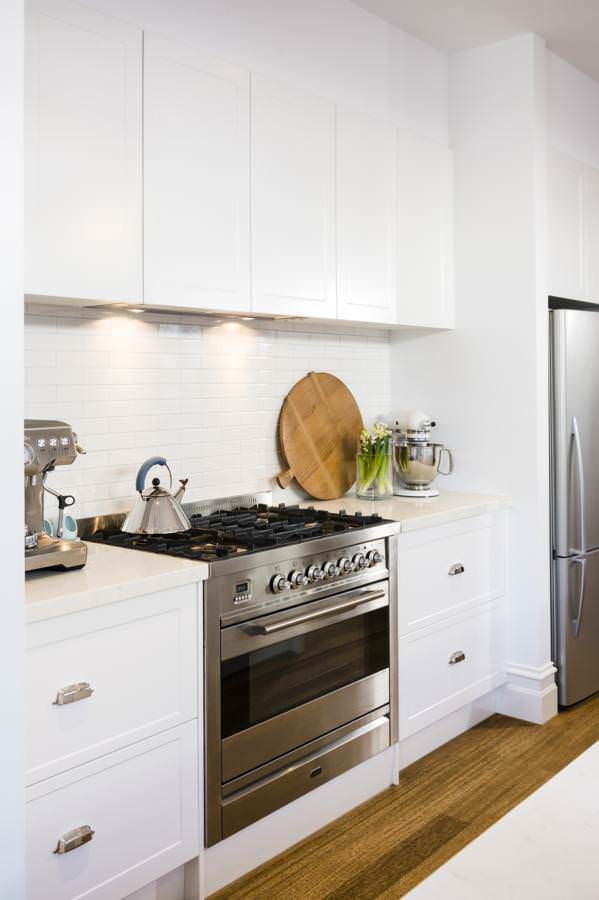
{"x":566,"y":228}
{"x":425,"y":233}
{"x":82,"y":153}
{"x":293,"y":201}
{"x":592,"y":234}
{"x":366,"y":214}
{"x":196,"y":179}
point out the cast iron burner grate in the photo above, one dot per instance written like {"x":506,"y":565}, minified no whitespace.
{"x":227,"y":533}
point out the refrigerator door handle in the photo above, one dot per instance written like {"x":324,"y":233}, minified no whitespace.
{"x":581,"y":487}
{"x":576,"y":622}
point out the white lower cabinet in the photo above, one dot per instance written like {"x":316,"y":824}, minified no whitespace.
{"x":452,"y":618}
{"x":140,"y":806}
{"x":113,"y":762}
{"x":135,"y":667}
{"x":443,"y":668}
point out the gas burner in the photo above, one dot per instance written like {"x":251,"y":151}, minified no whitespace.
{"x":227,"y":533}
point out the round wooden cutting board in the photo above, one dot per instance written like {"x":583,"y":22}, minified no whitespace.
{"x":319,"y":427}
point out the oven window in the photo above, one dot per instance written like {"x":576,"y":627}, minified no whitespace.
{"x":263,"y":683}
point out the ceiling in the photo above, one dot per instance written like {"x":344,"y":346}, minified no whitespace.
{"x":570,"y":27}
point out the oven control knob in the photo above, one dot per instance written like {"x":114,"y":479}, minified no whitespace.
{"x":330,"y":570}
{"x":279,"y":583}
{"x":359,"y":561}
{"x":297,"y":579}
{"x":373,"y":557}
{"x":314,"y":573}
{"x":345,"y":565}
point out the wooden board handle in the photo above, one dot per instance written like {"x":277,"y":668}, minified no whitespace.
{"x":285,"y":478}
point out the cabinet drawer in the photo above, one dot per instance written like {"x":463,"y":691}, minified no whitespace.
{"x":446,"y":569}
{"x":139,"y":659}
{"x":140,"y":802}
{"x":444,"y":668}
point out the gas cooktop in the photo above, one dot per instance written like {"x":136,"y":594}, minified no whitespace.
{"x":227,"y":533}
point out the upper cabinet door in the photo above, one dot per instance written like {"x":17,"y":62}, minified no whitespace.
{"x":366,"y":214}
{"x":425,"y":233}
{"x":196,"y":179}
{"x":592,"y":234}
{"x":293,"y":202}
{"x":566,"y":215}
{"x":82,"y":154}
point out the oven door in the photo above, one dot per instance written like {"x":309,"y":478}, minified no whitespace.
{"x":290,"y":677}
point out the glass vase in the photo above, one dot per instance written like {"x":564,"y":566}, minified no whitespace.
{"x":373,"y":468}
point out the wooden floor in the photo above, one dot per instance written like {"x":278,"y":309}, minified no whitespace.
{"x":389,"y":844}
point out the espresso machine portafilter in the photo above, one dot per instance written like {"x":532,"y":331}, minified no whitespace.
{"x":48,"y":444}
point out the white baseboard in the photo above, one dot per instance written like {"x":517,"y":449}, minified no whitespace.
{"x":428,"y":739}
{"x":530,"y":693}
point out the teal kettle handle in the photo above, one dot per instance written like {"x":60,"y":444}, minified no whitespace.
{"x":140,"y":481}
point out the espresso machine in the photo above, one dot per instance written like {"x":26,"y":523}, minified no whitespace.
{"x":48,"y":444}
{"x":417,"y":460}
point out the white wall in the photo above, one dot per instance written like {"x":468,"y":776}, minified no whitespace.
{"x":332,"y":47}
{"x":573,"y":110}
{"x":486,"y":383}
{"x":11,"y":416}
{"x":206,"y":397}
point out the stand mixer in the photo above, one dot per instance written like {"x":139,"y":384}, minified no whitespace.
{"x":48,"y":444}
{"x":416,"y":459}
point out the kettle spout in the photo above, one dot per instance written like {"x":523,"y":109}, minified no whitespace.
{"x":181,"y":489}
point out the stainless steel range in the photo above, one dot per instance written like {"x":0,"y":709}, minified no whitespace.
{"x":300,"y":625}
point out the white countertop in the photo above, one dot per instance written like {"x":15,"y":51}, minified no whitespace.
{"x":113,"y":573}
{"x":543,"y":849}
{"x":110,"y":574}
{"x":419,"y":513}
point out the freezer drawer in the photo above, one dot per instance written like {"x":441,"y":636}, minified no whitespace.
{"x":576,"y":611}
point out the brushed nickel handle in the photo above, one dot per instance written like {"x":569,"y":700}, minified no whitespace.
{"x":73,"y":692}
{"x":581,"y":487}
{"x":75,"y":838}
{"x":457,"y":569}
{"x":457,"y":657}
{"x":317,"y":614}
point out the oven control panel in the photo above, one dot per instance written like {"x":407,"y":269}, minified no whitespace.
{"x":287,"y":580}
{"x":328,"y":570}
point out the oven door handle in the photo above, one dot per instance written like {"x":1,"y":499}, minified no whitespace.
{"x":365,"y":597}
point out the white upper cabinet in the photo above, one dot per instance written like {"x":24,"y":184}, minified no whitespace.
{"x":424,"y":233}
{"x":293,"y":202}
{"x":196,"y":179}
{"x":566,"y":227}
{"x":82,"y":154}
{"x":592,"y":234}
{"x":366,"y":213}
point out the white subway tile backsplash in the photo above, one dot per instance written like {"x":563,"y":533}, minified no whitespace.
{"x":205,"y":396}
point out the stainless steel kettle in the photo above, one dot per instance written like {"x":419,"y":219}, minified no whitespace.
{"x":156,"y":511}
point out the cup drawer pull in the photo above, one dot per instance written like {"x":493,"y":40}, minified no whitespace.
{"x":457,"y":569}
{"x":75,"y":838}
{"x":457,"y":657}
{"x":73,"y":692}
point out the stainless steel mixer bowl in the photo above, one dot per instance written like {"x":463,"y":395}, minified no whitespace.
{"x":416,"y":465}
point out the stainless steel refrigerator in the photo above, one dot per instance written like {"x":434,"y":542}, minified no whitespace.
{"x":574,"y":405}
